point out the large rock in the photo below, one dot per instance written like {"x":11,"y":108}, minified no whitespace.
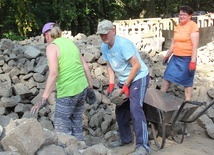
{"x":22,"y":90}
{"x":31,"y":52}
{"x":5,"y":85}
{"x":26,"y":138}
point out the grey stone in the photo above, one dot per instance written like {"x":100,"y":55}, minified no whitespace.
{"x":51,"y":149}
{"x":89,"y":57}
{"x":101,"y":61}
{"x":6,"y":44}
{"x":1,"y":130}
{"x":41,"y":69}
{"x":4,"y":120}
{"x":8,"y":102}
{"x":6,"y":68}
{"x":47,"y":124}
{"x":210,"y":92}
{"x":204,"y":121}
{"x":27,"y":76}
{"x":15,"y":79}
{"x":116,"y":98}
{"x":3,"y":110}
{"x":21,"y":108}
{"x":5,"y":85}
{"x":97,"y":149}
{"x":38,"y":77}
{"x":96,"y":119}
{"x":105,"y":125}
{"x":22,"y":90}
{"x":32,"y":83}
{"x":31,"y":52}
{"x":210,"y":130}
{"x":66,"y":140}
{"x":22,"y":138}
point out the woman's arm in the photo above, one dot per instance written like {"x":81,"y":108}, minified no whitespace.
{"x":195,"y":41}
{"x":52,"y":53}
{"x":87,"y":71}
{"x":52,"y":56}
{"x":170,"y":51}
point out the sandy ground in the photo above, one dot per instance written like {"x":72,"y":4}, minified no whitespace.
{"x":196,"y":143}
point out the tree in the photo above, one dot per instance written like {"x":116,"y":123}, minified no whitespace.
{"x":26,"y":17}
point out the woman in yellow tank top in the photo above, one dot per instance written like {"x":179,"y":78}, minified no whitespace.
{"x":71,"y":75}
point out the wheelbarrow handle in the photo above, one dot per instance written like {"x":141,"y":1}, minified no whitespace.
{"x":179,"y":111}
{"x":195,"y":103}
{"x":200,"y":113}
{"x":197,"y":116}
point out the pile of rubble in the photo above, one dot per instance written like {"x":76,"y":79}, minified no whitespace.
{"x":23,"y":73}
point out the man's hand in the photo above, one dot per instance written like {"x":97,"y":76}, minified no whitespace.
{"x":192,"y":66}
{"x":110,"y":88}
{"x":165,"y":60}
{"x":125,"y":90}
{"x":42,"y":103}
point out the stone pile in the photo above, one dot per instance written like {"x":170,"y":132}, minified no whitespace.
{"x":23,"y":73}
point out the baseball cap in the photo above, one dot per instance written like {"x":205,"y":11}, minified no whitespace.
{"x":47,"y":27}
{"x":104,"y":27}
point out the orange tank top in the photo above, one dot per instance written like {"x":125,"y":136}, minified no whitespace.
{"x":182,"y":40}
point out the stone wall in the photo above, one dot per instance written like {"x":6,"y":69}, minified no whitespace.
{"x":23,"y":73}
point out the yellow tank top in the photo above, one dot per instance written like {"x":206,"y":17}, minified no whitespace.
{"x":71,"y":75}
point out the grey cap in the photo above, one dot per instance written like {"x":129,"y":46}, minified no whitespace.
{"x":104,"y":27}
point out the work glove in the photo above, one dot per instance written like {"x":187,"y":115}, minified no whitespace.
{"x":42,"y":103}
{"x":90,"y":97}
{"x":192,"y":66}
{"x":110,"y":89}
{"x":125,"y":90}
{"x":165,"y":60}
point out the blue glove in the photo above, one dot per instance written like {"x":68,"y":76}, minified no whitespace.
{"x":39,"y":105}
{"x":91,"y":96}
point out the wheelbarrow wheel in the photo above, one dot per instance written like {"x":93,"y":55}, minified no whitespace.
{"x":159,"y":144}
{"x":178,"y":133}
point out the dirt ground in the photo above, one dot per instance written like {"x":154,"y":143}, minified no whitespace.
{"x":196,"y":143}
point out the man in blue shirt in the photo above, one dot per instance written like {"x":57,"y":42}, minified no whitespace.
{"x":124,"y":62}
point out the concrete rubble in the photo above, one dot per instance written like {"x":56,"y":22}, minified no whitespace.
{"x":24,"y":70}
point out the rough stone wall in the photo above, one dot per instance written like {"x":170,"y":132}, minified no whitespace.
{"x":24,"y":70}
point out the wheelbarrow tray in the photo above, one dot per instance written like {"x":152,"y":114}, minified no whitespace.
{"x":165,"y":110}
{"x":162,"y":107}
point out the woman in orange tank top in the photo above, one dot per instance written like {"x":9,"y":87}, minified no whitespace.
{"x":182,"y":53}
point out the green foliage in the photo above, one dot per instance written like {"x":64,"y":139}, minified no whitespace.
{"x":26,"y":17}
{"x":12,"y":36}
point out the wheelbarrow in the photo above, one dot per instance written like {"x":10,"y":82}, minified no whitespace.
{"x":165,"y":111}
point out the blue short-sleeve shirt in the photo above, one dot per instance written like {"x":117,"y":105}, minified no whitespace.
{"x":118,"y":57}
